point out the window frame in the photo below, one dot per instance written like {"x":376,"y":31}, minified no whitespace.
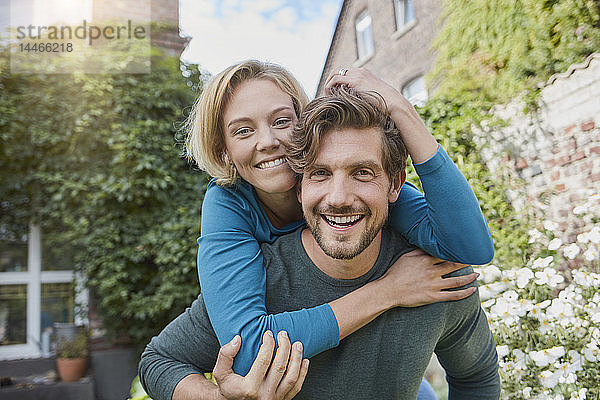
{"x":400,"y":14}
{"x":34,"y":278}
{"x":411,"y":82}
{"x":361,"y":42}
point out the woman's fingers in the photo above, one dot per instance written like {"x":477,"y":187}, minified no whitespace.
{"x":289,"y":380}
{"x":457,"y":281}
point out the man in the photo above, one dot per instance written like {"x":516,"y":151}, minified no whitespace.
{"x":351,"y":160}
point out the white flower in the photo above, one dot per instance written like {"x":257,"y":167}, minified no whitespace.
{"x":537,"y":309}
{"x":580,"y":395}
{"x":546,"y":357}
{"x":539,"y":262}
{"x":490,"y":273}
{"x":561,"y":311}
{"x":554,"y":244}
{"x":550,"y":226}
{"x":524,"y":275}
{"x":549,"y":379}
{"x":534,"y":235}
{"x":549,"y":277}
{"x":502,"y":350}
{"x":590,"y":254}
{"x":594,"y":235}
{"x":571,"y":251}
{"x":583,"y":238}
{"x":580,"y":210}
{"x":591,"y":352}
{"x":510,"y":296}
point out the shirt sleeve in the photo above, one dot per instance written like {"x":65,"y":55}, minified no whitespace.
{"x":186,"y":346}
{"x":467,"y":350}
{"x":447,"y":221}
{"x":233,"y":284}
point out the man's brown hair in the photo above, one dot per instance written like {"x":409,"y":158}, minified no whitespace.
{"x":345,"y":108}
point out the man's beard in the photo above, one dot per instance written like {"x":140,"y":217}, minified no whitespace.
{"x":333,"y":248}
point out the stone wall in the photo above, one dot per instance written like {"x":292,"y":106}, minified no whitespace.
{"x":557,"y":150}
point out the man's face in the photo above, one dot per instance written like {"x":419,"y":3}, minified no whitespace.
{"x":345,"y":193}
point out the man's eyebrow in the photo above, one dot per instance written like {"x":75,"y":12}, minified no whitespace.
{"x":351,"y":166}
{"x":275,"y":111}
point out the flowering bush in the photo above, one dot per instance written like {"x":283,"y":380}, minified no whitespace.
{"x":546,"y":315}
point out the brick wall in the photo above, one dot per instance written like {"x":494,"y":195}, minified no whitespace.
{"x":557,"y":150}
{"x":398,"y":58}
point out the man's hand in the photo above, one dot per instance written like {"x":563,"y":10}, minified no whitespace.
{"x":280,"y":379}
{"x":415,"y":279}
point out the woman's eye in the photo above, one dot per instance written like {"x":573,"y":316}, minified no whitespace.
{"x":242,"y":132}
{"x":282,"y":122}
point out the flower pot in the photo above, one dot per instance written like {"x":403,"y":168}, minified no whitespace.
{"x":71,"y":369}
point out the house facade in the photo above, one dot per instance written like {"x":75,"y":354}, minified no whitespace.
{"x":392,"y":38}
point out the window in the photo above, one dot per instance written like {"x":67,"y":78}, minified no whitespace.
{"x":36,"y":290}
{"x":364,"y":36}
{"x":416,"y":92}
{"x":405,"y":13}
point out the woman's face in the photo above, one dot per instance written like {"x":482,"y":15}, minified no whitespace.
{"x":257,"y":122}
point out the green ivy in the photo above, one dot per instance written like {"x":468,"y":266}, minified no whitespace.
{"x":95,"y":160}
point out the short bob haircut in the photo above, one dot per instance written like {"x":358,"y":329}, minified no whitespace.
{"x":345,"y":108}
{"x":205,"y":141}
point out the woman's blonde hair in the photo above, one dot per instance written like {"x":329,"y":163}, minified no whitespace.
{"x":205,"y":141}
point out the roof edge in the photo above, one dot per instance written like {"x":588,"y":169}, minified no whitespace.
{"x":333,"y":40}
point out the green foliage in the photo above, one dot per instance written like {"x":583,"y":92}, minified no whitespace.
{"x":451,"y":120}
{"x":94,"y":160}
{"x":496,"y":49}
{"x":74,"y":348}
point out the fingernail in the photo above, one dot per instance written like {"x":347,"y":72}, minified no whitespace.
{"x":236,"y":340}
{"x":477,"y":275}
{"x":306,"y":362}
{"x":269,"y":333}
{"x":298,"y":346}
{"x":283,"y":334}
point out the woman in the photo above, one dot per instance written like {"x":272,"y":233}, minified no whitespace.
{"x":237,"y":133}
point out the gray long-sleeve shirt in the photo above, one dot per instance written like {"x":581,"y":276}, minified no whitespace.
{"x":385,"y":359}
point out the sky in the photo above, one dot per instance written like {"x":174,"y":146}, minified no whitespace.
{"x":293,"y":33}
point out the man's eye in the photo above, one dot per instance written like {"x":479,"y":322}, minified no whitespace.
{"x":364,"y":174}
{"x":318,"y":174}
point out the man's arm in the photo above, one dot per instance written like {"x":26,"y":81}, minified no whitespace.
{"x":467,"y":351}
{"x":171,"y":365}
{"x":187,"y":346}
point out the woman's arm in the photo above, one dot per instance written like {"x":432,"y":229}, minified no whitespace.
{"x":233,"y":282}
{"x":447,"y":222}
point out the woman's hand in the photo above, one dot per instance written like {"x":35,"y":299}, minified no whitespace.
{"x":278,"y":378}
{"x":415,"y":279}
{"x":364,"y":80}
{"x":421,"y":145}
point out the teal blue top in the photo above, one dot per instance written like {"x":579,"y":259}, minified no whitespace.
{"x":446,"y":222}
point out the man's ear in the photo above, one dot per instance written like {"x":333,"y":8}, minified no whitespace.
{"x":396,"y":185}
{"x":299,"y":190}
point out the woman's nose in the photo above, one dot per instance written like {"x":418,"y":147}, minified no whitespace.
{"x":266,"y":140}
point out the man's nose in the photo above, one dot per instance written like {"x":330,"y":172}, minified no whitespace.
{"x":266,"y":139}
{"x":339,"y":192}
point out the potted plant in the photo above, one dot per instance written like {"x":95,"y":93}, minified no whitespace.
{"x":71,"y":357}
